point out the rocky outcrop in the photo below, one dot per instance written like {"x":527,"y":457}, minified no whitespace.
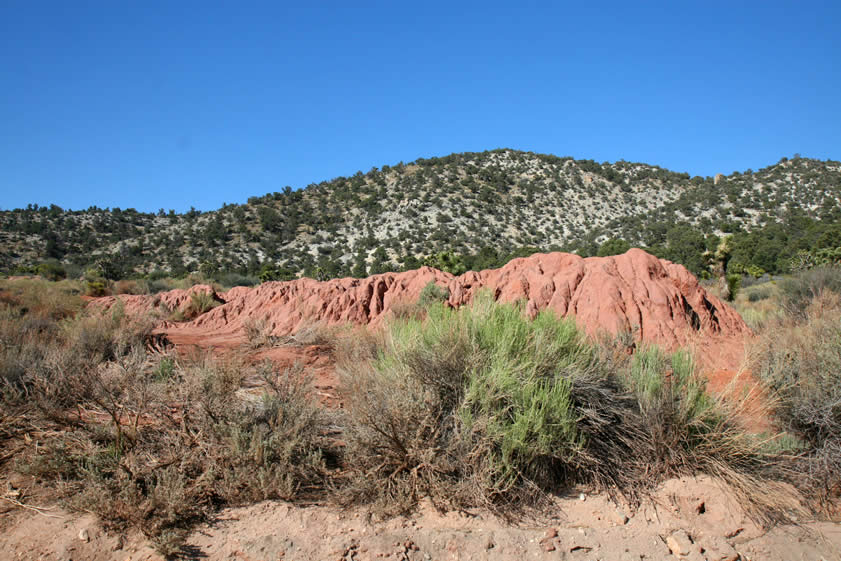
{"x":659,"y":301}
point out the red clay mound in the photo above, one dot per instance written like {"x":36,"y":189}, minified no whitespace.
{"x":662,"y":301}
{"x":170,"y":301}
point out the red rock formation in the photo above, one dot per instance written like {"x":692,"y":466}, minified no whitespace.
{"x":164,"y":302}
{"x":662,"y":301}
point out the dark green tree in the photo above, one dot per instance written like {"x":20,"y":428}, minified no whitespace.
{"x":613,"y":246}
{"x":381,"y":263}
{"x":446,"y":261}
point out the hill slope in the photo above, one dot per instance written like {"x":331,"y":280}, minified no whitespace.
{"x":483,"y":207}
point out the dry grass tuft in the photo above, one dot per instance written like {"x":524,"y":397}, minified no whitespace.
{"x":258,"y":333}
{"x":312,"y":333}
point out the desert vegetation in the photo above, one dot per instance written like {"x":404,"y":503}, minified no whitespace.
{"x":804,"y":373}
{"x":477,"y":407}
{"x":484,"y":407}
{"x":468,"y":211}
{"x":145,"y":439}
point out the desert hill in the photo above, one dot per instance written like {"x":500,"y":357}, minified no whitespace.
{"x":480,"y":209}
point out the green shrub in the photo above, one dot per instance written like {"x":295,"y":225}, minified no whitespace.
{"x":482,"y":406}
{"x":677,"y":414}
{"x":613,"y":246}
{"x":165,"y":369}
{"x":519,"y":393}
{"x":51,"y":271}
{"x":96,"y":288}
{"x":231,"y":280}
{"x":446,"y":261}
{"x":754,"y":271}
{"x":464,"y":406}
{"x":759,"y":294}
{"x":157,"y":285}
{"x":432,"y":293}
{"x":659,"y":380}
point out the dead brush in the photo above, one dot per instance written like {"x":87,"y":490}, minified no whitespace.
{"x":170,"y":449}
{"x":685,"y":431}
{"x":798,"y":358}
{"x":406,"y":309}
{"x":807,"y":290}
{"x":23,"y":347}
{"x":151,"y":440}
{"x":38,"y":298}
{"x":131,"y":287}
{"x":258,"y":333}
{"x":311,"y":333}
{"x":357,"y":344}
{"x":402,"y":443}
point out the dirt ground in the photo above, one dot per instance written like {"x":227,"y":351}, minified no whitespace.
{"x":686,"y":519}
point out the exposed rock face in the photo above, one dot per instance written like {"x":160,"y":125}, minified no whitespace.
{"x":659,"y":300}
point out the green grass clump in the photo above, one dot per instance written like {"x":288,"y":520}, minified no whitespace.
{"x":660,"y":380}
{"x":200,"y":303}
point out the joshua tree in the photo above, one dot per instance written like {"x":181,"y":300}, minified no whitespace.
{"x":717,"y":262}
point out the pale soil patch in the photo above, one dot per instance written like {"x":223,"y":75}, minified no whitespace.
{"x":696,"y":511}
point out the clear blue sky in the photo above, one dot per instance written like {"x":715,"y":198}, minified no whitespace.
{"x":172,"y":104}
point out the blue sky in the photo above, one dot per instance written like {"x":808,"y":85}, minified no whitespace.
{"x":172,"y":104}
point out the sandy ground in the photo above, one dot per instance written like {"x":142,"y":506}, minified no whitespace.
{"x":688,"y":519}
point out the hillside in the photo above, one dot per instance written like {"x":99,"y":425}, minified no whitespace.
{"x":482,"y":208}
